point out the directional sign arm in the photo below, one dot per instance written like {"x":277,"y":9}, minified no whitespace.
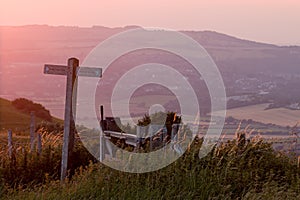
{"x":89,"y":72}
{"x":55,"y":69}
{"x":81,"y":71}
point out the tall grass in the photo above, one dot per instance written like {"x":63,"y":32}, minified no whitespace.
{"x":25,"y":169}
{"x":237,"y":169}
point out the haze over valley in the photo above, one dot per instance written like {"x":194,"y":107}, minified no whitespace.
{"x":253,"y":73}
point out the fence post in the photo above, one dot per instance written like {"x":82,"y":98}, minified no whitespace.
{"x":101,"y":138}
{"x":32,"y":131}
{"x":175,"y":128}
{"x":10,"y":146}
{"x":39,"y":143}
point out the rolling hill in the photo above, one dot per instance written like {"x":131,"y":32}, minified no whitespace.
{"x":11,"y":118}
{"x":267,"y":73}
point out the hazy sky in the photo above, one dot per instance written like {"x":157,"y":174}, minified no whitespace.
{"x":273,"y":21}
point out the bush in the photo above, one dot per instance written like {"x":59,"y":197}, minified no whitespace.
{"x":28,"y":106}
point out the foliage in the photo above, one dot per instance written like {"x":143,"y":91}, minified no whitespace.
{"x":28,"y":106}
{"x":25,"y":168}
{"x":50,"y":128}
{"x":247,"y":169}
{"x":157,"y":118}
{"x":168,"y":119}
{"x":11,"y":118}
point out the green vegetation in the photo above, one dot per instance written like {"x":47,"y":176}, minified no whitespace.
{"x":27,"y":106}
{"x":15,"y":119}
{"x":234,"y":169}
{"x":25,"y":168}
{"x":10,"y":117}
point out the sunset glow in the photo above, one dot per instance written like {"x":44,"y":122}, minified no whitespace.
{"x":266,"y":21}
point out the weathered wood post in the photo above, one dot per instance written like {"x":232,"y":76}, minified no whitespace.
{"x":151,"y":133}
{"x":39,"y":143}
{"x":71,"y":71}
{"x":10,"y":145}
{"x":103,"y":127}
{"x":68,"y":137}
{"x":32,"y":131}
{"x":140,"y":133}
{"x":175,"y":128}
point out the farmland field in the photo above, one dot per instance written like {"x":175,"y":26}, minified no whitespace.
{"x":278,"y":116}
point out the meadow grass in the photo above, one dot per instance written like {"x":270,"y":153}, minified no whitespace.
{"x":236,"y":169}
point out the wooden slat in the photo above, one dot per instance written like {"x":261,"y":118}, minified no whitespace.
{"x":132,"y":143}
{"x":81,"y":71}
{"x":89,"y":72}
{"x":55,"y":69}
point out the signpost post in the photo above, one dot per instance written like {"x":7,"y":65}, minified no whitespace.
{"x":71,"y":71}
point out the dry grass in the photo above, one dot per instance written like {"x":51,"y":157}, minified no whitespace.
{"x":235,"y":169}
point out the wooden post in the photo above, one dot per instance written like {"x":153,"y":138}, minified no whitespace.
{"x":101,"y":142}
{"x":39,"y":143}
{"x":150,"y":144}
{"x":10,"y":146}
{"x":68,"y":138}
{"x":32,"y":131}
{"x":175,"y":128}
{"x":102,"y":112}
{"x":141,"y":134}
{"x":75,"y":63}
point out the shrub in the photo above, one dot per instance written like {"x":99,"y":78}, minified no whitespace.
{"x":28,"y":106}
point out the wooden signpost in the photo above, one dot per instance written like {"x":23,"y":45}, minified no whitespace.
{"x":71,"y":71}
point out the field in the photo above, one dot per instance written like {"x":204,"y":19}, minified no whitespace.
{"x":278,"y":116}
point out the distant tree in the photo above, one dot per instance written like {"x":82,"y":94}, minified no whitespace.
{"x":230,"y":119}
{"x":144,"y":121}
{"x":168,"y":119}
{"x":27,"y":106}
{"x":157,"y":118}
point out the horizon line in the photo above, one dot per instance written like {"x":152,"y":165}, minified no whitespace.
{"x":139,"y":26}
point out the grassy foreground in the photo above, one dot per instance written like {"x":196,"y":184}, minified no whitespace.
{"x":233,"y":170}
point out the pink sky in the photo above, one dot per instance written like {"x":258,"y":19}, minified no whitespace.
{"x":276,"y":21}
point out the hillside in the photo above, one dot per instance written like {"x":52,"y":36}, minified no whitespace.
{"x":11,"y":118}
{"x":266,"y":73}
